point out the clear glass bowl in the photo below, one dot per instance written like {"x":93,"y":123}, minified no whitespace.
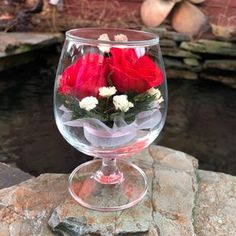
{"x":110,"y":101}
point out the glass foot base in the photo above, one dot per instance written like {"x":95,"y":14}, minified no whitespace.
{"x":92,"y":194}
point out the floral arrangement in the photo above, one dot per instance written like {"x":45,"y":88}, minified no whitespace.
{"x":109,"y":83}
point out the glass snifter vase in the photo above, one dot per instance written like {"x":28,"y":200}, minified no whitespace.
{"x":110,"y":102}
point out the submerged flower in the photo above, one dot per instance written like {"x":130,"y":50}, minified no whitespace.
{"x":104,"y":48}
{"x":84,"y":77}
{"x":121,"y":38}
{"x":153,"y":91}
{"x":107,"y":91}
{"x":160,"y":100}
{"x":157,"y":93}
{"x":88,"y":103}
{"x":121,"y":103}
{"x":133,"y":73}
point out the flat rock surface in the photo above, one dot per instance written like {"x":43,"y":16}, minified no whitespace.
{"x":11,"y":43}
{"x":169,"y":202}
{"x":25,"y":208}
{"x":210,"y":47}
{"x":215,"y":211}
{"x":181,"y":201}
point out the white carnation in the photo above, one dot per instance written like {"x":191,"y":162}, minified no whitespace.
{"x":121,"y":38}
{"x":107,"y":91}
{"x":153,"y":91}
{"x":160,"y":100}
{"x":88,"y":103}
{"x":140,"y":52}
{"x":121,"y":103}
{"x":104,"y":48}
{"x":157,"y":93}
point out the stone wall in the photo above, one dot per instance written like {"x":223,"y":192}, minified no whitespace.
{"x":186,"y":58}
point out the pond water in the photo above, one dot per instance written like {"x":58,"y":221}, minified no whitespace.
{"x":201,"y":122}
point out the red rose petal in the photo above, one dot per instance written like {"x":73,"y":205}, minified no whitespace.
{"x":130,"y":73}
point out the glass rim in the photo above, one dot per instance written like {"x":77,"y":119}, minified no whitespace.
{"x":154,"y":39}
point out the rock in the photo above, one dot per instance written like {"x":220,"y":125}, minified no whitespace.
{"x":191,"y":61}
{"x":224,"y":79}
{"x":25,"y":208}
{"x":22,"y":42}
{"x":21,"y":48}
{"x":175,"y":52}
{"x":228,"y":65}
{"x":165,"y":199}
{"x":167,"y":43}
{"x":160,"y":31}
{"x":187,"y":18}
{"x":10,"y":176}
{"x":173,"y":63}
{"x":163,"y":33}
{"x":210,"y":47}
{"x":181,"y":201}
{"x":215,"y":210}
{"x":154,"y":12}
{"x":178,"y":37}
{"x":171,"y":196}
{"x":181,"y":74}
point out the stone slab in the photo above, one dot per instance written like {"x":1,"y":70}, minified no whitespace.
{"x":225,"y":65}
{"x":21,"y":48}
{"x":10,"y":176}
{"x":14,"y":43}
{"x":181,"y":74}
{"x":181,"y":201}
{"x":188,"y":64}
{"x":168,"y":43}
{"x":229,"y":80}
{"x":191,"y":61}
{"x":171,"y":193}
{"x":215,"y":211}
{"x":176,"y":52}
{"x":210,"y":47}
{"x":26,"y":208}
{"x":164,"y":33}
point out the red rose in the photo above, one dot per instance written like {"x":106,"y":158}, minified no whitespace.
{"x":85,"y":76}
{"x":133,"y":73}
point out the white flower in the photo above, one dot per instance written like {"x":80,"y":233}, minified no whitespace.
{"x":104,"y":48}
{"x":107,"y":91}
{"x":140,"y":52}
{"x":54,"y":2}
{"x":121,"y":38}
{"x":121,"y":103}
{"x":157,"y":93}
{"x":88,"y":103}
{"x":153,"y":91}
{"x":160,"y":100}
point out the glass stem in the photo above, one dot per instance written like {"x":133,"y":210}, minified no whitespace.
{"x":109,"y":172}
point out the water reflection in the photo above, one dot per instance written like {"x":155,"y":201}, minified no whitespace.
{"x":201,"y":122}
